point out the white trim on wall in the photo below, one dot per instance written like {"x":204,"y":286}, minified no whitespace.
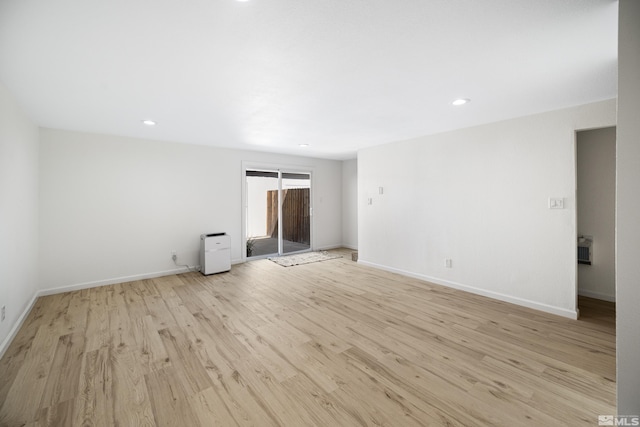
{"x":17,"y":325}
{"x":467,"y":288}
{"x":597,"y":295}
{"x":113,"y":281}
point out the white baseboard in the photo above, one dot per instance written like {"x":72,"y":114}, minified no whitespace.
{"x":328,"y":247}
{"x":338,"y":246}
{"x":495,"y":295}
{"x":123,"y":279}
{"x":16,"y":327}
{"x":597,"y":295}
{"x":352,"y":247}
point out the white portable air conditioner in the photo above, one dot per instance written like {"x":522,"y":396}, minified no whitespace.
{"x":215,"y":253}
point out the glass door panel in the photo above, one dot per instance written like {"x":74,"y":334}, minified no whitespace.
{"x":296,"y":212}
{"x":262,"y":212}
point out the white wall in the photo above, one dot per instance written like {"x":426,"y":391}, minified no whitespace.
{"x":18,"y":214}
{"x":628,"y":209}
{"x":350,"y":204}
{"x":113,"y":208}
{"x":479,"y":196}
{"x":596,"y":170}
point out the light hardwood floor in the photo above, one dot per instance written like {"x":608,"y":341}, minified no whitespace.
{"x":324,"y":344}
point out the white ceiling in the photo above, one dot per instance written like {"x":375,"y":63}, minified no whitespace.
{"x":269,"y":75}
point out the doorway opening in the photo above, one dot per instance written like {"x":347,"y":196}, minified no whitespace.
{"x":277,"y":211}
{"x":595,"y":195}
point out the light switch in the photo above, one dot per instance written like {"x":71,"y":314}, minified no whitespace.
{"x":556,"y":203}
{"x":370,"y":200}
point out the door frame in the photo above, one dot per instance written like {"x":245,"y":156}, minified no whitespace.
{"x":576,"y":213}
{"x":281,"y":168}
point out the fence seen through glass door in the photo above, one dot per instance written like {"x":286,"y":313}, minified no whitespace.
{"x":278,"y":212}
{"x":296,"y":212}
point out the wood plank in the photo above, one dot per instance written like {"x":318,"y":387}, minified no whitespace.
{"x":151,"y":352}
{"x":60,"y":414}
{"x":245,"y":405}
{"x":169,"y":400}
{"x":97,"y":330}
{"x":192,"y":374}
{"x":131,"y":403}
{"x":64,"y":377}
{"x":210,"y":409}
{"x":94,"y":404}
{"x":23,"y":400}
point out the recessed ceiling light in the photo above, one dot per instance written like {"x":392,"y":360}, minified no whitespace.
{"x":149,"y":122}
{"x":303,"y":145}
{"x":461,"y":101}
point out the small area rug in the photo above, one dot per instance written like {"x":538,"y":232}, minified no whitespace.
{"x":305,"y":258}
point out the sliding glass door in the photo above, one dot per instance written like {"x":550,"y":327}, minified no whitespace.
{"x":277,"y":211}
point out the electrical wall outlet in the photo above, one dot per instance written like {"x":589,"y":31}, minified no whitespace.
{"x":174,"y":255}
{"x":3,"y":313}
{"x":448,"y":263}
